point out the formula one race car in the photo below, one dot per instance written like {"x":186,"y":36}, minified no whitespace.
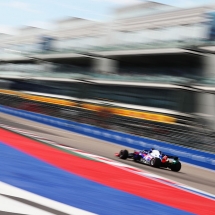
{"x":154,"y":158}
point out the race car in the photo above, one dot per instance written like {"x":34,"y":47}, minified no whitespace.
{"x":152,"y":157}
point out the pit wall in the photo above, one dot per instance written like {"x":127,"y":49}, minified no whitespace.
{"x":188,"y":155}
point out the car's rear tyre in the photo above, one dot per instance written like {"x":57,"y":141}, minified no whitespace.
{"x":155,"y":162}
{"x":123,"y":154}
{"x":176,"y":167}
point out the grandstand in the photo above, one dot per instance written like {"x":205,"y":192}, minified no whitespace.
{"x":151,"y":58}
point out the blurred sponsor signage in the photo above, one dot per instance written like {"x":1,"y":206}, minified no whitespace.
{"x":117,"y":111}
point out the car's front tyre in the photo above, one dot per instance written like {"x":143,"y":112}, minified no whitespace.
{"x":123,"y":154}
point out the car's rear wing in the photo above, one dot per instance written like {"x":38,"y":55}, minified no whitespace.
{"x":172,"y":156}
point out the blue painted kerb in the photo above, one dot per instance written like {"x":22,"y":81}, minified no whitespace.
{"x":188,"y":155}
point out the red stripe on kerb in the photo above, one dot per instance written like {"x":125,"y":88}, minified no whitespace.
{"x":112,"y":176}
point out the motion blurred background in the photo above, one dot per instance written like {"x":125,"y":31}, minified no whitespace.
{"x":141,"y":67}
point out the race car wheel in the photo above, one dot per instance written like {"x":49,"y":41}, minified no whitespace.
{"x":123,"y":154}
{"x":155,"y":162}
{"x":141,"y":160}
{"x":176,"y":167}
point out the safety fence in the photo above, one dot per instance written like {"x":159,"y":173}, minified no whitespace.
{"x":149,"y":125}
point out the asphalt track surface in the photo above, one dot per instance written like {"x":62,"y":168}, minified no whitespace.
{"x":190,"y":175}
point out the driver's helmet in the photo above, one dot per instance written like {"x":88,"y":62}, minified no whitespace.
{"x":150,"y":151}
{"x":145,"y":152}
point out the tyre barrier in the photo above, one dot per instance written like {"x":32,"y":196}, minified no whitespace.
{"x":188,"y":155}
